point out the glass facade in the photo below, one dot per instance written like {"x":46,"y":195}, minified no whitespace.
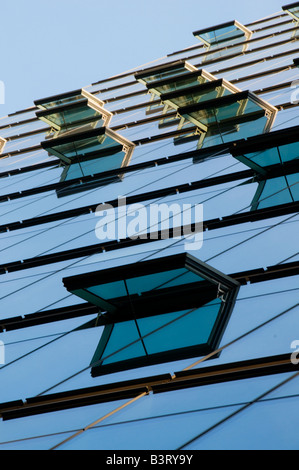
{"x":149,"y":257}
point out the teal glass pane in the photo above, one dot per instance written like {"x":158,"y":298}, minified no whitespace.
{"x":122,"y":335}
{"x":274,"y":155}
{"x":188,"y":328}
{"x":93,"y":167}
{"x":222,"y":53}
{"x":289,"y":152}
{"x":275,"y":192}
{"x":138,"y":285}
{"x":161,"y":280}
{"x":293,"y":181}
{"x":109,"y":290}
{"x":264,"y":157}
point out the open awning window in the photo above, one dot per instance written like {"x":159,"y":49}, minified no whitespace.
{"x":180,"y":82}
{"x":199,"y":93}
{"x":275,"y":148}
{"x":232,"y":117}
{"x":73,"y":111}
{"x":90,"y":153}
{"x":223,"y":33}
{"x":292,"y":9}
{"x":156,"y":311}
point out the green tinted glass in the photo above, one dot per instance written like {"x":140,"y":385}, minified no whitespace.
{"x":74,"y":116}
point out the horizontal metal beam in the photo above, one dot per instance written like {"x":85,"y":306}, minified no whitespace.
{"x":181,"y":380}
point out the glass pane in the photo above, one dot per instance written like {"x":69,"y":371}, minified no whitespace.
{"x":222,"y":53}
{"x":180,"y":83}
{"x":197,"y":95}
{"x":109,"y":290}
{"x":83,"y":147}
{"x":225,"y":111}
{"x":144,"y":435}
{"x":192,"y":329}
{"x":58,"y":100}
{"x":147,"y":283}
{"x":39,"y":443}
{"x":265,"y":157}
{"x":265,"y":425}
{"x":93,"y":167}
{"x":123,"y":334}
{"x":162,"y":280}
{"x":167,"y":72}
{"x":275,"y":192}
{"x":223,"y":33}
{"x":235,"y":129}
{"x":175,"y":330}
{"x":71,"y":116}
{"x":289,"y":152}
{"x":293,"y":181}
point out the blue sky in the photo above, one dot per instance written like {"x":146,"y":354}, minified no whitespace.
{"x":52,"y":47}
